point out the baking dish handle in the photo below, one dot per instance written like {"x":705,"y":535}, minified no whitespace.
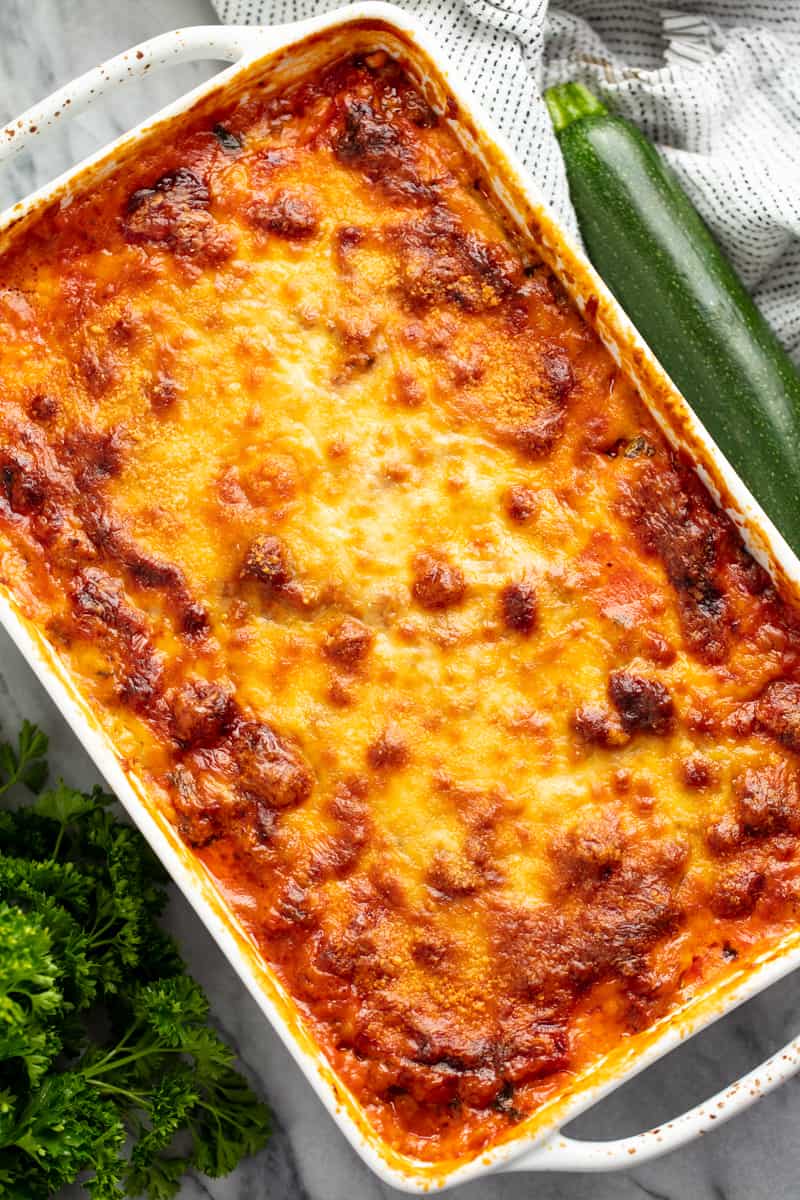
{"x":561,"y":1153}
{"x":224,"y":43}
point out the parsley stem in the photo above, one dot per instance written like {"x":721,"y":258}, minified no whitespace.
{"x":135,"y":1097}
{"x":109,"y":941}
{"x":94,"y":931}
{"x":9,"y":783}
{"x":114,"y":1049}
{"x":111,"y":1063}
{"x":57,"y":846}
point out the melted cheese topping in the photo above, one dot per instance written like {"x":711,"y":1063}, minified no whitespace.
{"x":375,"y":567}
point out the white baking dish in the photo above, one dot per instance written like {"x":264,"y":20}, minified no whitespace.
{"x":284,"y":53}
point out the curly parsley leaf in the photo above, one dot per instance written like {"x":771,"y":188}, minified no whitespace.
{"x":169,"y":1008}
{"x":64,"y":1129}
{"x":64,"y":804}
{"x":29,"y":995}
{"x":158,"y":1179}
{"x":26,"y":762}
{"x":24,"y":833}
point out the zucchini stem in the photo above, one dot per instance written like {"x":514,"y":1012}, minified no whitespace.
{"x":568,"y":102}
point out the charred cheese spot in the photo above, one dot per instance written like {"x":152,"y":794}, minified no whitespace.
{"x":230,"y":142}
{"x":597,"y":725}
{"x":438,"y":583}
{"x":99,"y":369}
{"x":408,"y":390}
{"x":725,"y":835}
{"x":153,"y":213}
{"x":174,"y":212}
{"x":103,"y":611}
{"x":698,"y":772}
{"x":767,"y":805}
{"x":673,"y":523}
{"x":777,"y":712}
{"x":347,"y":643}
{"x":347,"y":239}
{"x":163,"y":392}
{"x":518,"y":607}
{"x":389,"y":750}
{"x":201,"y":712}
{"x":373,"y":144}
{"x":113,"y":542}
{"x":768,"y":800}
{"x":267,"y":769}
{"x":94,"y":457}
{"x":43,"y":407}
{"x":440,"y":262}
{"x":287,"y":215}
{"x":588,"y":857}
{"x":450,"y":876}
{"x":657,"y":648}
{"x":521,"y":503}
{"x":340,"y":692}
{"x":361,"y":340}
{"x":267,"y":561}
{"x":100,"y":597}
{"x":558,"y":372}
{"x":643,"y":704}
{"x":531,"y":411}
{"x":736,"y":890}
{"x":201,"y":811}
{"x":23,"y":481}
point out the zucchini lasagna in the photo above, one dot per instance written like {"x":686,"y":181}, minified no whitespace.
{"x":376,"y":570}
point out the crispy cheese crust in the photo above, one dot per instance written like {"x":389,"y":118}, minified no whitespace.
{"x":377,"y":571}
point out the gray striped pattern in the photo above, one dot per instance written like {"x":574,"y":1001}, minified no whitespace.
{"x":715,"y":85}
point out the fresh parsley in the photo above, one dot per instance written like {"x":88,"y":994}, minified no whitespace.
{"x":109,"y":1070}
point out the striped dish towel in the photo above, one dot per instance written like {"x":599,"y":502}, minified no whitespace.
{"x":718,"y":90}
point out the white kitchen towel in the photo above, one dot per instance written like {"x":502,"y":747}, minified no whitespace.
{"x":715,"y":85}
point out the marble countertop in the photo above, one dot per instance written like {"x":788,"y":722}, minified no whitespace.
{"x":43,"y":43}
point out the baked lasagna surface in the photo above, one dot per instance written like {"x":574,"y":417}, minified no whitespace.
{"x":378,"y":573}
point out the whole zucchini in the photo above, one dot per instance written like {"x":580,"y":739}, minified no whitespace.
{"x":651,"y":247}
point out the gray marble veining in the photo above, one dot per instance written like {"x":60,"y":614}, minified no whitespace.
{"x":44,"y":43}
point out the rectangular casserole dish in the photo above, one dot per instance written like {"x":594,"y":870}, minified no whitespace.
{"x":281,"y":57}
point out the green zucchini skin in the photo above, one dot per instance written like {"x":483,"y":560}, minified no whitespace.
{"x":652,"y":248}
